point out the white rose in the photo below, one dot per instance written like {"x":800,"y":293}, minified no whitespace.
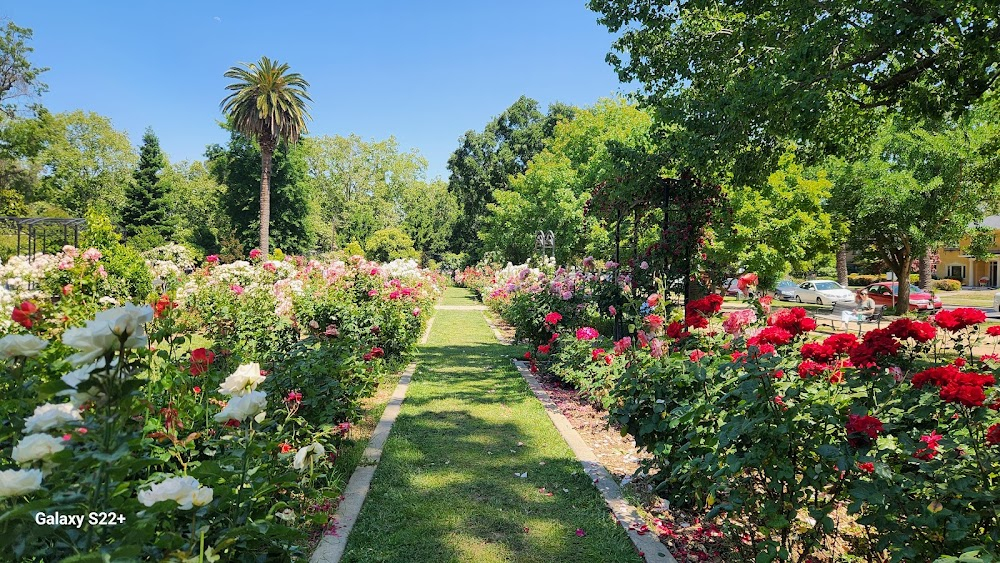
{"x":186,"y":491}
{"x":246,"y":378}
{"x":314,"y":451}
{"x":35,"y":447}
{"x":74,"y":378}
{"x":104,"y":333}
{"x":241,"y":407}
{"x":127,"y":320}
{"x":202,"y":496}
{"x":93,"y":341}
{"x":19,"y":482}
{"x":26,"y":345}
{"x":51,"y":415}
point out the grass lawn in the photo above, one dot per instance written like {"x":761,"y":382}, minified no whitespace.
{"x":475,"y":471}
{"x":967,"y":298}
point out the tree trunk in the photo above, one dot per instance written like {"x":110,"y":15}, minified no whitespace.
{"x":903,"y":279}
{"x":266,"y":153}
{"x":925,"y":271}
{"x":842,"y":265}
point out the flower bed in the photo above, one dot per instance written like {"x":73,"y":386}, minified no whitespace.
{"x":203,"y":423}
{"x":752,"y":418}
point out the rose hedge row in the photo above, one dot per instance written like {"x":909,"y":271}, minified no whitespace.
{"x":887,"y":444}
{"x":171,"y":421}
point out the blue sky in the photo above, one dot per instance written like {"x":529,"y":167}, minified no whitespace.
{"x":425,"y":72}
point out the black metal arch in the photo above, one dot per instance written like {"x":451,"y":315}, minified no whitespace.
{"x":48,"y":230}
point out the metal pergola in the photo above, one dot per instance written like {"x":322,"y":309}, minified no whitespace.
{"x":46,"y":229}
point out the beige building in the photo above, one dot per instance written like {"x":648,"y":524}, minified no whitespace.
{"x":954,"y":263}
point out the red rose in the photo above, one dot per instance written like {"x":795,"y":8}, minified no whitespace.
{"x":774,"y":335}
{"x":841,"y":342}
{"x":697,"y":355}
{"x":596,"y":354}
{"x":908,"y":328}
{"x":818,"y":352}
{"x":810,"y":368}
{"x":960,"y":318}
{"x":545,"y":349}
{"x":862,"y":429}
{"x":993,"y":435}
{"x":553,"y":318}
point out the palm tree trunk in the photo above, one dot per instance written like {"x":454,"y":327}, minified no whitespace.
{"x":266,"y":154}
{"x":925,"y":271}
{"x":842,"y":265}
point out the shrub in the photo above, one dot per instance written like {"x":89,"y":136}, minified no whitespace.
{"x":353,"y":249}
{"x":862,"y":279}
{"x":125,"y":266}
{"x":946,"y":285}
{"x":388,"y":244}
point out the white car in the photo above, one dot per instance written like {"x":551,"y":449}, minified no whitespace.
{"x":823,"y":292}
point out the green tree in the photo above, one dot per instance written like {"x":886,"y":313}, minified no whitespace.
{"x":85,"y":165}
{"x":389,"y":244}
{"x":146,"y":201}
{"x":360,"y":185}
{"x":778,"y":225}
{"x":267,"y":104}
{"x":430,"y":212}
{"x":18,"y":77}
{"x":237,"y":168}
{"x":919,"y":186}
{"x":484,"y":161}
{"x":552,"y":193}
{"x":195,"y":206}
{"x":740,"y":76}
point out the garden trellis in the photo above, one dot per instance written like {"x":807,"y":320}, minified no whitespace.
{"x":26,"y":233}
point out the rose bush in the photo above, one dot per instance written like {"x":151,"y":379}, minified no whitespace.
{"x":186,"y":414}
{"x":752,"y":415}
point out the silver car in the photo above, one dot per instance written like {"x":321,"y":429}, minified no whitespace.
{"x":823,"y":292}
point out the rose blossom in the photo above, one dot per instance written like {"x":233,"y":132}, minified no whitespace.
{"x":242,"y":407}
{"x":186,"y":491}
{"x":92,"y":254}
{"x":24,"y":345}
{"x":19,"y":482}
{"x":315,"y":451}
{"x":51,"y":415}
{"x":35,"y":447}
{"x":246,"y":378}
{"x":104,"y":333}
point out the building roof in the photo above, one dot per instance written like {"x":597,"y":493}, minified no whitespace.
{"x":992,"y":221}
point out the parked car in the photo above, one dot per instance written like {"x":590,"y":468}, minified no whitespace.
{"x":996,"y":301}
{"x":785,"y":290}
{"x":885,"y":293}
{"x":823,"y":292}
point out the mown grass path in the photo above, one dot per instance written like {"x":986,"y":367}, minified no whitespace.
{"x":451,"y":485}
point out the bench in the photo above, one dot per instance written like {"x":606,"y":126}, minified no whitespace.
{"x":834,"y":316}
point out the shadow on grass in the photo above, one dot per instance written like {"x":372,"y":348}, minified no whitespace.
{"x":447,"y":491}
{"x":474,"y":470}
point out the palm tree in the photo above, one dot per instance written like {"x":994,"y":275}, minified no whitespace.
{"x":268,"y":104}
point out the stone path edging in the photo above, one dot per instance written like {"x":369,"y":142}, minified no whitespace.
{"x":461,"y":307}
{"x":331,"y":547}
{"x":648,"y":545}
{"x":628,"y":517}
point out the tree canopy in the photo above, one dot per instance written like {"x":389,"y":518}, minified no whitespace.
{"x":741,"y":75}
{"x":485,"y":161}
